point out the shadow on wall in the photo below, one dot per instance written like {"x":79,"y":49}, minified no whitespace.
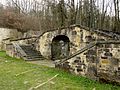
{"x":60,"y":47}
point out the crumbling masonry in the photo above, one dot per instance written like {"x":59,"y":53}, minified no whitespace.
{"x":79,"y":50}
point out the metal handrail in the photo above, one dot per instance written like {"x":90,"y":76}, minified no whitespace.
{"x":90,"y":45}
{"x":20,"y":50}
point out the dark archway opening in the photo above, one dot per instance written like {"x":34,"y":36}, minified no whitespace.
{"x":60,"y":47}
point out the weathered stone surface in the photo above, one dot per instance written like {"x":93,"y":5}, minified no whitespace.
{"x":94,"y":62}
{"x":101,"y":61}
{"x":6,"y":33}
{"x":77,"y":36}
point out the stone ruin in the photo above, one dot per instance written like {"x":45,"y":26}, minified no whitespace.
{"x":79,"y":50}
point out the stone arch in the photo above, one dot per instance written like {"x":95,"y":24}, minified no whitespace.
{"x":60,"y":47}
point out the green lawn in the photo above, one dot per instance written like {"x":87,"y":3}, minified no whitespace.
{"x":11,"y":67}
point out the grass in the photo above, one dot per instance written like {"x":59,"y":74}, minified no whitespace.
{"x":10,"y":67}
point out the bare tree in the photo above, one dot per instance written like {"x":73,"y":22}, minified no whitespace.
{"x":48,"y":14}
{"x":117,"y":21}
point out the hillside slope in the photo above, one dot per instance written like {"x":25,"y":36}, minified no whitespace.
{"x":16,"y":74}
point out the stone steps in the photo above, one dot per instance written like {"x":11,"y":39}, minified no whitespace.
{"x":31,"y":53}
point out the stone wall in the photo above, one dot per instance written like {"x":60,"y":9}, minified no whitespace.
{"x":102,"y":62}
{"x":109,"y":62}
{"x":78,"y":38}
{"x":6,"y":33}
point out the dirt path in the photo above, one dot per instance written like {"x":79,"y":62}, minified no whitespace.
{"x":48,"y":63}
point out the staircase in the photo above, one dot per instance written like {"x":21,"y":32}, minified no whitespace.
{"x":109,"y":33}
{"x":31,"y":54}
{"x":27,"y":52}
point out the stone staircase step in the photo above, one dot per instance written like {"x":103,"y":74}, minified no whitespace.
{"x":31,"y":53}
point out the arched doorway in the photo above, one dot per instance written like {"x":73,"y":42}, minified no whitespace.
{"x":60,"y":47}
